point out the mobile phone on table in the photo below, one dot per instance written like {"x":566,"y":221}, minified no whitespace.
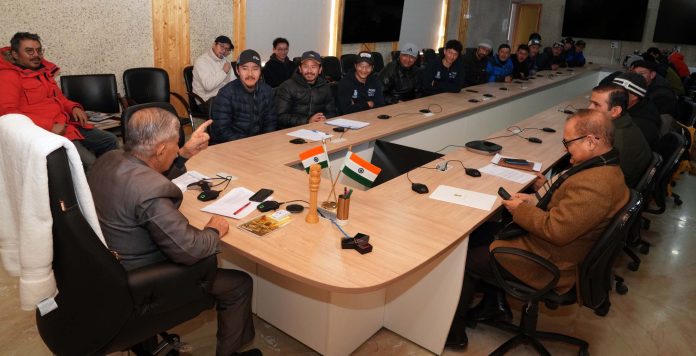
{"x":516,"y":161}
{"x":504,"y":193}
{"x":261,"y":195}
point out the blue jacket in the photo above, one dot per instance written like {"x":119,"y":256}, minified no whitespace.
{"x":238,"y":113}
{"x":497,"y":70}
{"x":575,"y":59}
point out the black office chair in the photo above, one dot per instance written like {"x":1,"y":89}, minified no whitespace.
{"x":296,"y":61}
{"x":670,"y":147}
{"x":395,"y":55}
{"x":103,"y":308}
{"x":194,"y":101}
{"x":429,"y":55}
{"x":149,"y":85}
{"x":95,"y":92}
{"x":348,"y":62}
{"x":378,"y":59}
{"x":234,"y":68}
{"x":594,"y":284}
{"x":331,"y":68}
{"x":126,"y":115}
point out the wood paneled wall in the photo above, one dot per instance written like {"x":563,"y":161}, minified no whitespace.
{"x":239,"y":26}
{"x":170,"y":32}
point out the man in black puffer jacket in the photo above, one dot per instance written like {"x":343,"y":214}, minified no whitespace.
{"x":305,"y":97}
{"x":244,"y":107}
{"x":360,"y":89}
{"x":401,"y":79}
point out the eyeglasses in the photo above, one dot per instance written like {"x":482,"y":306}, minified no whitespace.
{"x":225,"y":49}
{"x":31,"y":51}
{"x":567,"y":143}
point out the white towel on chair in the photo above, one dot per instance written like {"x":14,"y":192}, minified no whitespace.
{"x":26,"y":239}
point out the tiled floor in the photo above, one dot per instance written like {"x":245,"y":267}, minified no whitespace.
{"x":656,"y":317}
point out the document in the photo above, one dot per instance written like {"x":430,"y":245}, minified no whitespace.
{"x":349,"y":124}
{"x":496,"y":159}
{"x":187,"y":178}
{"x":235,"y":204}
{"x":96,"y":116}
{"x":464,"y":197}
{"x":508,"y":174}
{"x":310,"y":135}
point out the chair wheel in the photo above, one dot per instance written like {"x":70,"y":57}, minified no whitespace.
{"x":621,"y":288}
{"x":633,"y":266}
{"x":603,"y":309}
{"x":678,"y":201}
{"x":583,"y":352}
{"x":644,"y":249}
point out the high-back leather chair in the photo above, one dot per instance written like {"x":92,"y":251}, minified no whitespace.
{"x":331,"y":68}
{"x":594,"y":283}
{"x":671,"y":146}
{"x":126,"y":115}
{"x":378,"y":59}
{"x":149,"y":85}
{"x":194,"y":101}
{"x":348,"y":62}
{"x":103,"y":308}
{"x":95,"y":92}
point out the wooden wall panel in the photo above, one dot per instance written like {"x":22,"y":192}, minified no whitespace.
{"x":239,"y":26}
{"x":170,"y":32}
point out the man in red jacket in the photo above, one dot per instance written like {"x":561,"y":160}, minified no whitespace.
{"x":28,"y":87}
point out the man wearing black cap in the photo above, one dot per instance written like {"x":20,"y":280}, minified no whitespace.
{"x":401,"y":79}
{"x":244,"y":107}
{"x":499,"y":66}
{"x":575,"y":56}
{"x":659,"y":92}
{"x":279,"y":67}
{"x":643,"y":112}
{"x":360,"y":89}
{"x":212,"y":71}
{"x":475,"y":63}
{"x":305,"y":97}
{"x":445,"y":75}
{"x":552,"y":58}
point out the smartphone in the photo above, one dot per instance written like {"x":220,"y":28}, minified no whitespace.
{"x":503,"y":193}
{"x":516,"y":161}
{"x":261,"y":195}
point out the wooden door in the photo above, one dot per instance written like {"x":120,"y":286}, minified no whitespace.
{"x":526,"y":22}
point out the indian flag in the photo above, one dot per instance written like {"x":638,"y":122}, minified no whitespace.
{"x":359,"y":169}
{"x":316,"y":155}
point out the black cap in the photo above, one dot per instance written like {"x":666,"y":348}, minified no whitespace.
{"x":652,"y":66}
{"x":249,"y":55}
{"x":365,"y":57}
{"x":557,"y":45}
{"x":311,"y":55}
{"x":580,"y":43}
{"x":224,"y":39}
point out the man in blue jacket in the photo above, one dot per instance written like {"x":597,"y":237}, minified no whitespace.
{"x":576,"y":57}
{"x":499,"y":67}
{"x":244,"y":107}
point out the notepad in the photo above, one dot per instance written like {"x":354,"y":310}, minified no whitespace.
{"x":464,"y":197}
{"x":233,"y":201}
{"x":350,"y":124}
{"x":187,"y":178}
{"x":510,"y":174}
{"x":310,"y":135}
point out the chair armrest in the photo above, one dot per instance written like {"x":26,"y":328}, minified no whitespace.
{"x":196,"y":97}
{"x":520,"y":290}
{"x":181,"y":99}
{"x":166,"y":286}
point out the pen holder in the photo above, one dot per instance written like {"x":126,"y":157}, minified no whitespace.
{"x":342,"y":210}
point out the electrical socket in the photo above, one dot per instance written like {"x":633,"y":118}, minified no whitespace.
{"x":614,"y":44}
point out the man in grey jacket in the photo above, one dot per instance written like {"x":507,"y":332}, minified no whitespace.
{"x":138,"y":210}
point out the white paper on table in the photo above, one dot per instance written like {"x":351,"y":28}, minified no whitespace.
{"x":497,"y":157}
{"x":187,"y":178}
{"x":508,"y":173}
{"x":464,"y":197}
{"x":350,"y":124}
{"x":310,"y":135}
{"x":231,"y":202}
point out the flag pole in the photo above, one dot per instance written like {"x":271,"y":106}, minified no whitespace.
{"x":328,"y":204}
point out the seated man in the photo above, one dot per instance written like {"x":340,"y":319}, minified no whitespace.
{"x":534,"y":48}
{"x":360,"y":89}
{"x":521,"y":63}
{"x":244,"y":107}
{"x":306,"y":96}
{"x":401,"y":79}
{"x":475,"y":64}
{"x":659,"y":91}
{"x":634,"y":151}
{"x":138,"y":210}
{"x":642,"y":111}
{"x":445,"y":75}
{"x":212,"y":71}
{"x":575,"y":57}
{"x":562,"y":226}
{"x":552,"y":58}
{"x":499,"y":67}
{"x":28,"y":87}
{"x":279,"y":67}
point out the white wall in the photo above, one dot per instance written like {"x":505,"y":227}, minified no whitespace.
{"x":209,"y":19}
{"x":305,"y":23}
{"x":421,"y":22}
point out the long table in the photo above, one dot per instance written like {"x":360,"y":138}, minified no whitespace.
{"x":333,"y":300}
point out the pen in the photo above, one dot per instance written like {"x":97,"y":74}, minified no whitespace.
{"x":242,"y":208}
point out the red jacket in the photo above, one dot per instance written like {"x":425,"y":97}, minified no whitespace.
{"x":677,"y":60}
{"x":34,"y":93}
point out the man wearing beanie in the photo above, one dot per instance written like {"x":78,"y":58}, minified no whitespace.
{"x":360,"y":89}
{"x":212,"y":71}
{"x":305,"y":97}
{"x":244,"y":107}
{"x":659,"y":91}
{"x":401,"y":79}
{"x":534,"y":45}
{"x":475,"y":64}
{"x":499,"y":66}
{"x":643,"y":112}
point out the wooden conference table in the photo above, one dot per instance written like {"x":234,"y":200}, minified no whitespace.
{"x":333,"y":300}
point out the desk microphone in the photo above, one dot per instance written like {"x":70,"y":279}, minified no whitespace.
{"x":566,"y":111}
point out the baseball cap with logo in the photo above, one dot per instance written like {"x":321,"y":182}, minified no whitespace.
{"x":249,"y":55}
{"x":534,"y":42}
{"x":365,"y":57}
{"x":311,"y":55}
{"x":410,"y":49}
{"x":557,"y":44}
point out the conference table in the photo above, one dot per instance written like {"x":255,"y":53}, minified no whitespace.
{"x":333,"y":299}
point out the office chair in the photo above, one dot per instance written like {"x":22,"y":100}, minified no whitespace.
{"x":395,"y":55}
{"x":685,"y":119}
{"x":348,"y":62}
{"x":331,"y":67}
{"x":429,"y":55}
{"x":378,"y":59}
{"x":103,"y":308}
{"x":670,"y":147}
{"x":594,"y":284}
{"x":126,"y":115}
{"x":95,"y":92}
{"x":149,"y":85}
{"x":194,"y":101}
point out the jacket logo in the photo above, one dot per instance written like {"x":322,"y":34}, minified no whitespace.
{"x":453,"y":75}
{"x":437,"y":75}
{"x":371,"y":92}
{"x":355,"y":93}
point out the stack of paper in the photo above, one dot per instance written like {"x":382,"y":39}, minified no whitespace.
{"x":349,"y":124}
{"x":232,"y":202}
{"x":310,"y":135}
